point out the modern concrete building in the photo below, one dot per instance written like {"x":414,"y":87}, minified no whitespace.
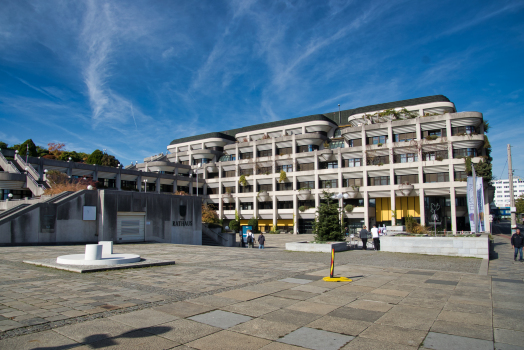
{"x":501,"y":198}
{"x":390,"y":160}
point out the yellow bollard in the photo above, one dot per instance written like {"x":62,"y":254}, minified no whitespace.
{"x":331,"y":278}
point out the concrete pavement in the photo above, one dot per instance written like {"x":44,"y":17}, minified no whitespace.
{"x":234,"y":298}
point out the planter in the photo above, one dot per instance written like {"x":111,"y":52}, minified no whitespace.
{"x":316,"y":247}
{"x":405,"y":189}
{"x":227,"y":198}
{"x":304,"y":195}
{"x":264,"y":197}
{"x":352,"y":192}
{"x":475,"y":247}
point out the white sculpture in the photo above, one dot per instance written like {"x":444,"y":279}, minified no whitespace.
{"x":98,"y":254}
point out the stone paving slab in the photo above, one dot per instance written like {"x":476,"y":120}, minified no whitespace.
{"x":310,"y":338}
{"x":439,"y":341}
{"x":221,"y":319}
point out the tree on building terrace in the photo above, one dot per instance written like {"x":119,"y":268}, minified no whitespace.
{"x":327,"y":225}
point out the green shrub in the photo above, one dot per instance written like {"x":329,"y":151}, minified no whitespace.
{"x":234,"y":225}
{"x":253,"y":222}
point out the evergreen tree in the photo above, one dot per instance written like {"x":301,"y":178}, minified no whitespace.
{"x":253,"y":222}
{"x":109,"y":160}
{"x":3,"y":145}
{"x":327,"y":224}
{"x":22,"y":149}
{"x":95,"y":157}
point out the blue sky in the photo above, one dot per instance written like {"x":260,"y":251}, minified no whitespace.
{"x":132,"y":76}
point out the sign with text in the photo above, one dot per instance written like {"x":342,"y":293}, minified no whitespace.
{"x":183,"y":223}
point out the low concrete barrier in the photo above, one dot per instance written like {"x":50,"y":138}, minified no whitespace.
{"x":316,"y":247}
{"x":476,"y":247}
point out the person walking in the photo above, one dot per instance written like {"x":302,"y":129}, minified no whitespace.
{"x":347,"y":231}
{"x":363,"y":234}
{"x":241,"y":239}
{"x":517,"y":241}
{"x":376,"y":237}
{"x":250,"y":239}
{"x":261,"y":240}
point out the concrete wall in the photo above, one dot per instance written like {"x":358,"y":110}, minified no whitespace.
{"x":161,"y":211}
{"x":476,"y":247}
{"x":62,"y":222}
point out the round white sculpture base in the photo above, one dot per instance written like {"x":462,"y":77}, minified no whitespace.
{"x":109,"y":259}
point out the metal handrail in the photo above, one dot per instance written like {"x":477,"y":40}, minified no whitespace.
{"x":36,"y":184}
{"x":29,"y":167}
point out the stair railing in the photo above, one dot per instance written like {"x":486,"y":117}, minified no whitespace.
{"x":27,"y":166}
{"x":4,"y":163}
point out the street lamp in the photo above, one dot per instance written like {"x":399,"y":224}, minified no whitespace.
{"x":145,"y":185}
{"x":9,"y":196}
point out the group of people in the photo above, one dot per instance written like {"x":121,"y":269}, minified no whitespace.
{"x":375,"y":234}
{"x":250,"y":240}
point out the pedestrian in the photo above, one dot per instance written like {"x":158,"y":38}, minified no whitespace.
{"x":250,"y":239}
{"x":241,"y":239}
{"x":261,"y":240}
{"x":517,"y":241}
{"x":347,"y":231}
{"x":384,"y":232}
{"x":363,"y":234}
{"x":376,"y":239}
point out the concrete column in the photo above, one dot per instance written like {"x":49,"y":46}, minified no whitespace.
{"x":95,"y":173}
{"x":157,"y":185}
{"x":422,"y":208}
{"x":139,"y":183}
{"x":237,"y":207}
{"x":295,"y":213}
{"x":390,"y":134}
{"x":190,"y":186}
{"x":417,"y":129}
{"x":366,"y":209}
{"x":448,"y":126}
{"x":453,"y":210}
{"x":393,"y":208}
{"x":339,"y":171}
{"x":275,"y":211}
{"x":118,"y":181}
{"x":273,"y":148}
{"x":175,"y":185}
{"x":255,"y":201}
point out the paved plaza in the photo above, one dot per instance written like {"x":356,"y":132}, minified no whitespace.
{"x":234,"y":298}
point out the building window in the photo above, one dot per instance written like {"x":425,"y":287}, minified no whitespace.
{"x":229,"y":173}
{"x":463,"y":130}
{"x":184,"y":162}
{"x":265,"y":153}
{"x":285,"y":186}
{"x":337,"y":133}
{"x":288,"y":168}
{"x":264,"y":170}
{"x":350,"y":163}
{"x":265,"y":187}
{"x":377,"y":160}
{"x":375,"y":140}
{"x":306,"y":184}
{"x":227,"y":158}
{"x":285,"y":205}
{"x":435,"y":155}
{"x":460,"y":175}
{"x":337,"y":144}
{"x":306,"y":166}
{"x":329,"y":183}
{"x":246,"y":155}
{"x":307,"y":204}
{"x":211,"y":190}
{"x":284,"y":151}
{"x":402,"y":179}
{"x":439,"y":177}
{"x":246,"y":205}
{"x":228,"y":189}
{"x":352,"y":182}
{"x":464,"y":152}
{"x":265,"y":205}
{"x":307,"y":148}
{"x":355,"y":143}
{"x":406,"y":158}
{"x":328,"y":165}
{"x":434,"y":132}
{"x":409,"y":136}
{"x":248,"y":171}
{"x":229,"y":206}
{"x":379,"y":181}
{"x":245,"y":189}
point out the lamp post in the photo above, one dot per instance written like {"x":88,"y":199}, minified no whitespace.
{"x":198,"y":167}
{"x":145,"y":185}
{"x":45,"y":174}
{"x":9,"y":196}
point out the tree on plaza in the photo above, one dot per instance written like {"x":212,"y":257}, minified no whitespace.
{"x":209,"y":215}
{"x":327,"y":224}
{"x":519,"y":203}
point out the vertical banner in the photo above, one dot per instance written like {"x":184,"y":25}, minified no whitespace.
{"x":480,"y":204}
{"x":471,"y":204}
{"x":477,"y":194}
